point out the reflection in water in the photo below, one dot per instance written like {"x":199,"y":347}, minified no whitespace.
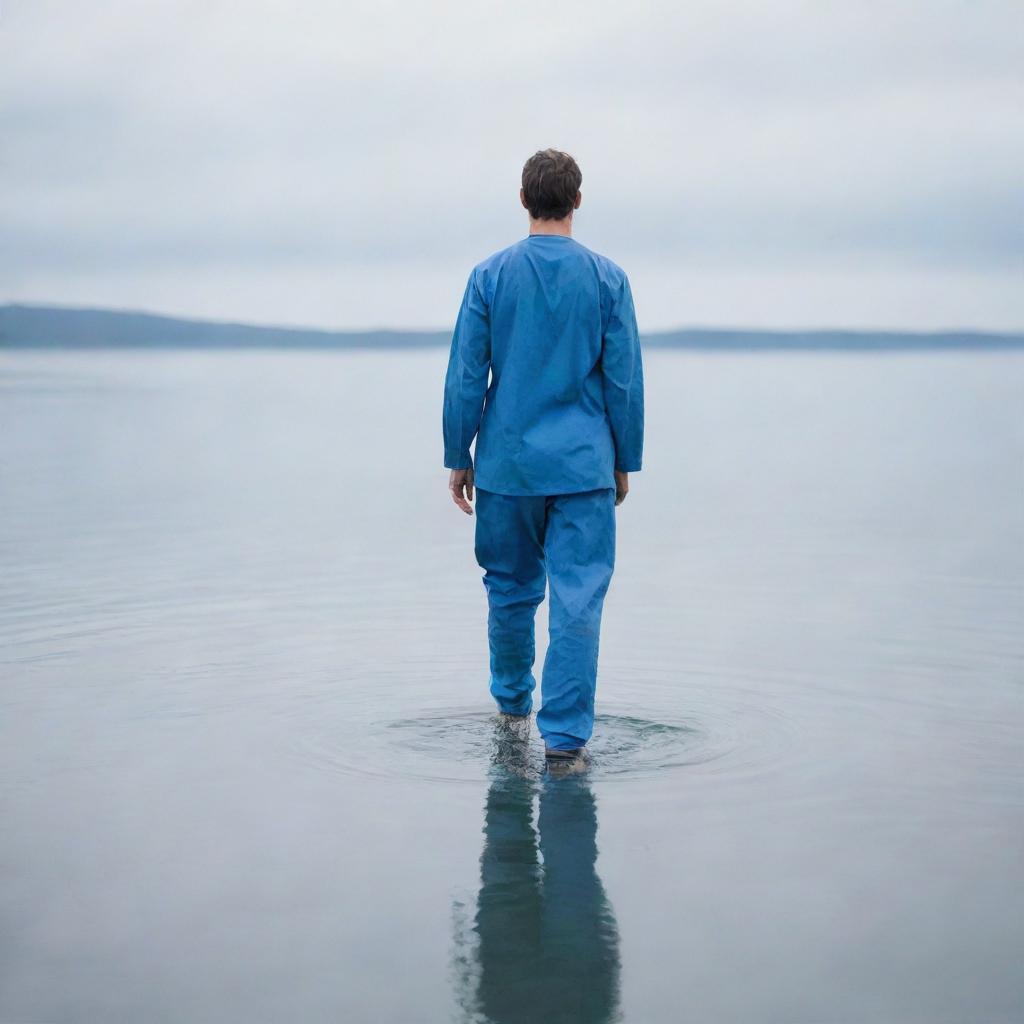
{"x":546,"y":940}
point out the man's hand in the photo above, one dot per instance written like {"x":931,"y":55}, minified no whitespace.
{"x":621,"y":487}
{"x":460,"y":483}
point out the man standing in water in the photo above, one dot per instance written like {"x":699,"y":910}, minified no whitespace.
{"x":560,"y":428}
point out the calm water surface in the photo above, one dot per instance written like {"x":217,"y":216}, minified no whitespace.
{"x":248,"y":770}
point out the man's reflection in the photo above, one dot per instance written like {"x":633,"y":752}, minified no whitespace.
{"x":547,"y":938}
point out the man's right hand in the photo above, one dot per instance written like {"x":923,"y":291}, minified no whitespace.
{"x":621,"y":487}
{"x":460,"y":483}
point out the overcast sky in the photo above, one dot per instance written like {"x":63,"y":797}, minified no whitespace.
{"x":345,"y":164}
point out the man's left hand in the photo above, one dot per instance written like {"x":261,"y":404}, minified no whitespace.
{"x":621,"y":487}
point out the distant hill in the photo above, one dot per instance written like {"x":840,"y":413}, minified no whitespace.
{"x":62,"y":327}
{"x":23,"y":326}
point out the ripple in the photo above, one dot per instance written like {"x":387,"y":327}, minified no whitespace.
{"x":461,"y":744}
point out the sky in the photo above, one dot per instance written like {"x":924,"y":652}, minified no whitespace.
{"x":339,"y":164}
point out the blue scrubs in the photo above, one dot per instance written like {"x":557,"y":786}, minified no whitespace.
{"x":545,"y":373}
{"x":553,"y":324}
{"x":569,"y":539}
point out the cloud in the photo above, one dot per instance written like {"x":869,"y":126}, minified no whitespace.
{"x":235,"y":159}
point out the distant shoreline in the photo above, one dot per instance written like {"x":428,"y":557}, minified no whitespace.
{"x":59,"y":327}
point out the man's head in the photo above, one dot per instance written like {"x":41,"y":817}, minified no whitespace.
{"x":551,"y":185}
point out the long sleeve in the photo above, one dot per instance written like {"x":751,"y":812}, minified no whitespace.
{"x":465,"y":383}
{"x":622,"y":369}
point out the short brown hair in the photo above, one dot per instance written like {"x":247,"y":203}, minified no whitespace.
{"x":551,"y":180}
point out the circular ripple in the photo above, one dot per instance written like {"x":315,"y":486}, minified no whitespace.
{"x":460,"y":744}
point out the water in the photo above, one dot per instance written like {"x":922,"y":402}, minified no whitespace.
{"x":247,"y":766}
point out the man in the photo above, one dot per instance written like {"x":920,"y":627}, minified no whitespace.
{"x":560,"y":428}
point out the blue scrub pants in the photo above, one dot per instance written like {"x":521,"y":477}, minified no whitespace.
{"x":568,"y":541}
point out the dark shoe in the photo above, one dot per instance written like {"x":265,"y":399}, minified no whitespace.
{"x":561,"y":763}
{"x":576,"y":754}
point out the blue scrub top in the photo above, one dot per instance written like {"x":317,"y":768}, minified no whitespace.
{"x":553,"y":325}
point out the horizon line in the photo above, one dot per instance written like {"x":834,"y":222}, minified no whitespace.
{"x":685,"y":328}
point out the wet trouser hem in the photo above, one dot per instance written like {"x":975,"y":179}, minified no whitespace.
{"x":520,"y":708}
{"x":555,"y":742}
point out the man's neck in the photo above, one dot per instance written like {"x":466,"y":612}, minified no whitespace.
{"x":552,"y":227}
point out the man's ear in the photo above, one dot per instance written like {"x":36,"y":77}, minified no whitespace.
{"x":522,"y":198}
{"x":579,"y":199}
